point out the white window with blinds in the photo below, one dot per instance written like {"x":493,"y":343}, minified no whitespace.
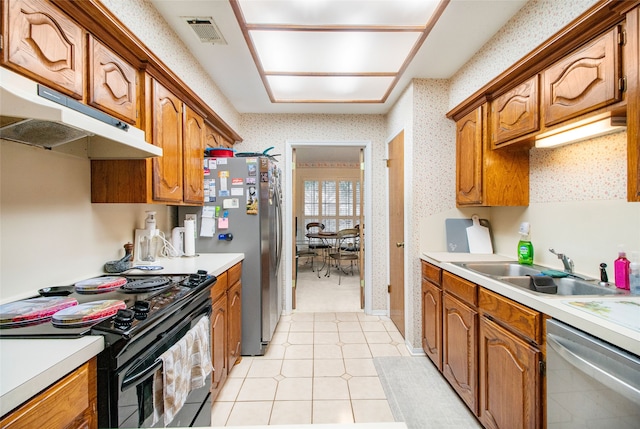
{"x":333,"y":202}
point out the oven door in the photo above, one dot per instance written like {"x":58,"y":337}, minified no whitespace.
{"x":135,"y":383}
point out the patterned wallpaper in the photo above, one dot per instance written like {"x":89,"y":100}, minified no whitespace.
{"x":591,"y":170}
{"x":149,"y":26}
{"x":261,"y":131}
{"x":533,"y":24}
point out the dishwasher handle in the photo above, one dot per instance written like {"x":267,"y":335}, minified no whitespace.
{"x":596,"y":371}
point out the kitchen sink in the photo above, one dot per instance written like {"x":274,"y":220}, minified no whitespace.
{"x":518,"y":275}
{"x":502,"y":269}
{"x":565,"y":286}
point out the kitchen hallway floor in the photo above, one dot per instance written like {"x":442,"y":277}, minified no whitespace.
{"x":319,"y":367}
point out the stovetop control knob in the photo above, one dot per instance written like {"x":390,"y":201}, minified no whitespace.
{"x":123,"y":319}
{"x":141,"y":309}
{"x":195,"y":280}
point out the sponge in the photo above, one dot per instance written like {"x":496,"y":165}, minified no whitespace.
{"x":554,"y":273}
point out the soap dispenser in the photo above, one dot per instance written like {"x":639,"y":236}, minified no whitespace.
{"x":621,"y":270}
{"x":525,"y":248}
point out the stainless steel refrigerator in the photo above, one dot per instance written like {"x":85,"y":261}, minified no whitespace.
{"x":242,"y":214}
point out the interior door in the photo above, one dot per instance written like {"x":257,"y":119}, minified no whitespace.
{"x":395,"y":164}
{"x":361,"y":223}
{"x":294,"y":264}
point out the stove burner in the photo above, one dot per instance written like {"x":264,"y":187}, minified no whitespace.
{"x":146,"y":284}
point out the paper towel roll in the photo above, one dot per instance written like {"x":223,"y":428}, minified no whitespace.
{"x":189,"y":237}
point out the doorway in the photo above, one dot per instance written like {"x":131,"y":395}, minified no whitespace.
{"x":347,"y":187}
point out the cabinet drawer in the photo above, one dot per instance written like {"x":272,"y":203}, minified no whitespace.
{"x":431,"y":273}
{"x":235,"y":273}
{"x":220,"y":287}
{"x":461,"y":288}
{"x":520,"y":319}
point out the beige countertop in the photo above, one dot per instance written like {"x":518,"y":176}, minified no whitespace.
{"x":28,"y":366}
{"x":558,"y":307}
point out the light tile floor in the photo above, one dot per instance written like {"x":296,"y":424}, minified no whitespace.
{"x":318,"y":369}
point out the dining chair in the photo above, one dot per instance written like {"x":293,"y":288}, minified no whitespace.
{"x":315,"y":244}
{"x":343,"y":251}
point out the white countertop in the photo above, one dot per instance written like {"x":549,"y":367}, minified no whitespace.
{"x":28,"y":366}
{"x":552,"y":305}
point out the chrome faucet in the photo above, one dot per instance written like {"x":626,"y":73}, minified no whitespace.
{"x":566,"y":261}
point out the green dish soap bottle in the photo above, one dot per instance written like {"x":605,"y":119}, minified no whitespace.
{"x":525,"y":248}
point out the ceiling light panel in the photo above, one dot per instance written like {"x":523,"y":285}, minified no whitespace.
{"x":338,"y":12}
{"x":332,"y":52}
{"x":328,"y":88}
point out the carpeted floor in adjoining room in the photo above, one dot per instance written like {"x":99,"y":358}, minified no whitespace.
{"x":323,"y":294}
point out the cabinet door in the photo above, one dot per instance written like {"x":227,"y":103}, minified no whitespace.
{"x":469,"y":159}
{"x":69,"y":403}
{"x":583,"y":81}
{"x":194,"y":132}
{"x":515,"y":113}
{"x":459,"y":354}
{"x":432,"y":322}
{"x":219,"y":344}
{"x":234,"y":304}
{"x":112,"y":83}
{"x":510,"y":390}
{"x":46,"y":45}
{"x":214,"y":139}
{"x":167,"y":133}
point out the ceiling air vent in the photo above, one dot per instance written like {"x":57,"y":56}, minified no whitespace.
{"x":206,"y":29}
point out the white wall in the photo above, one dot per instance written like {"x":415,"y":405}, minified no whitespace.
{"x":50,"y":233}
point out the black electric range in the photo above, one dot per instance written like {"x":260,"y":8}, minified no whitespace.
{"x":148,"y":298}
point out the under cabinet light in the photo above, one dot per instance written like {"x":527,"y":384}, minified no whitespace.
{"x":580,"y":132}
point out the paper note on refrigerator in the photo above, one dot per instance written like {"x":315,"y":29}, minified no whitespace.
{"x":230,"y":203}
{"x":208,"y":227}
{"x":208,"y":211}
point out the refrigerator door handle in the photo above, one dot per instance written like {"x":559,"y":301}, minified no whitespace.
{"x":279,"y":229}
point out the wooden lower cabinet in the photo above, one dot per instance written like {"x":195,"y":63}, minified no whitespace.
{"x":509,"y":379}
{"x":432,"y":322}
{"x":219,"y":344}
{"x":488,"y":347}
{"x":226,"y":325}
{"x":69,"y":403}
{"x":234,"y":306}
{"x":459,"y":348}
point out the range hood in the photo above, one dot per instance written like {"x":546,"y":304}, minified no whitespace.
{"x":39,"y":116}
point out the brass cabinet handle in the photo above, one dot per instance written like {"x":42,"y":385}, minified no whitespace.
{"x":400,"y":244}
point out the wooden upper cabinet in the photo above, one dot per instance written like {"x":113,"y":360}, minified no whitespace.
{"x":167,"y":134}
{"x":583,"y":81}
{"x":44,"y":44}
{"x":193,"y":153}
{"x":515,"y":113}
{"x":112,"y":83}
{"x":487,"y":177}
{"x":469,"y":158}
{"x":215,"y":139}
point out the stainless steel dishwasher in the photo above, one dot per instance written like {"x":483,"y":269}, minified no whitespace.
{"x":590,"y":383}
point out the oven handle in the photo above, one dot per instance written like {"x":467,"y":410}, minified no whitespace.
{"x":157,"y":364}
{"x":133,"y":379}
{"x":596,"y":371}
